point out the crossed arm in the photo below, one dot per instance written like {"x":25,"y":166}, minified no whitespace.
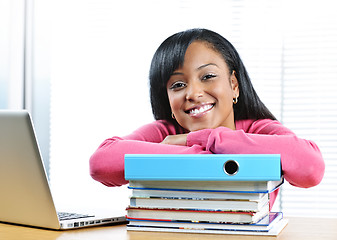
{"x":302,"y":162}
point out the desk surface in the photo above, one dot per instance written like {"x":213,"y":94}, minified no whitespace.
{"x":297,"y":228}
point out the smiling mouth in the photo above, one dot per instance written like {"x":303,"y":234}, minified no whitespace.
{"x":199,"y":110}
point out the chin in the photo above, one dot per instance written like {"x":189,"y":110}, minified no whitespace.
{"x":197,"y":128}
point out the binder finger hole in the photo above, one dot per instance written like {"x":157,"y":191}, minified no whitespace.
{"x":231,"y":167}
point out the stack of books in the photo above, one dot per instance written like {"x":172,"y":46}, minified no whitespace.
{"x":224,"y":194}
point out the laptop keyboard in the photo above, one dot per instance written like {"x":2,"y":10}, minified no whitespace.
{"x":68,"y":216}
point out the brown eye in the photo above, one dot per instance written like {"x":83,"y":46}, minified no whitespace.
{"x":208,"y":76}
{"x":177,"y":85}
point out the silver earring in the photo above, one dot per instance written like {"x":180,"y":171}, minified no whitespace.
{"x":173,"y":116}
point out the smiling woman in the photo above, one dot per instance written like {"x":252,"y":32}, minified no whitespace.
{"x":204,"y":103}
{"x":201,"y":92}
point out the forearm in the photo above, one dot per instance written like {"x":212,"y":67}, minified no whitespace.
{"x":107,"y":163}
{"x":302,"y":162}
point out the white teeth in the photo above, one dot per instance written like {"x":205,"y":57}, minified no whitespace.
{"x":201,"y":110}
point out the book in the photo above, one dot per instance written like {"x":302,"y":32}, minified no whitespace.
{"x":200,"y":203}
{"x":274,"y":231}
{"x":197,"y":215}
{"x":203,"y":167}
{"x":264,"y":225}
{"x":209,"y":186}
{"x":216,"y":193}
{"x":196,"y":194}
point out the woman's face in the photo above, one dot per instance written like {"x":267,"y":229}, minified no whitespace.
{"x":201,"y":92}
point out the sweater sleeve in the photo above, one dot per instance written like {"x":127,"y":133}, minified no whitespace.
{"x":302,"y":162}
{"x":107,"y":162}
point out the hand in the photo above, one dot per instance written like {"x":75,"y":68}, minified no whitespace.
{"x":179,"y":139}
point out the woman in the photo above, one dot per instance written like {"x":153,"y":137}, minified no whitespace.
{"x":204,"y":103}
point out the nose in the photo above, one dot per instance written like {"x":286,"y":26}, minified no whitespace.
{"x":194,"y":91}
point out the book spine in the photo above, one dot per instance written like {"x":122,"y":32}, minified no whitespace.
{"x":209,"y":167}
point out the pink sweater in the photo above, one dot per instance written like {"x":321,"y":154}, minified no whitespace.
{"x":302,"y":162}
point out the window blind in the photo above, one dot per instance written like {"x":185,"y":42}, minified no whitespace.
{"x":310,"y":100}
{"x":11,"y":54}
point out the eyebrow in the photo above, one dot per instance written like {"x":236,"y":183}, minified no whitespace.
{"x":201,"y":67}
{"x":176,"y":73}
{"x":206,"y":65}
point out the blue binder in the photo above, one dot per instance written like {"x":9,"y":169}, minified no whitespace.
{"x":203,"y":167}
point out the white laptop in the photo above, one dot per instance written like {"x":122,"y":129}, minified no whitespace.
{"x":25,"y":196}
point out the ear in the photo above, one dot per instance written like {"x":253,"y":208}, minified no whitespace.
{"x":234,"y":84}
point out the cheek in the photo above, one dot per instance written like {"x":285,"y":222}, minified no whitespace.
{"x":224,"y":94}
{"x":225,"y":97}
{"x":174,"y":101}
